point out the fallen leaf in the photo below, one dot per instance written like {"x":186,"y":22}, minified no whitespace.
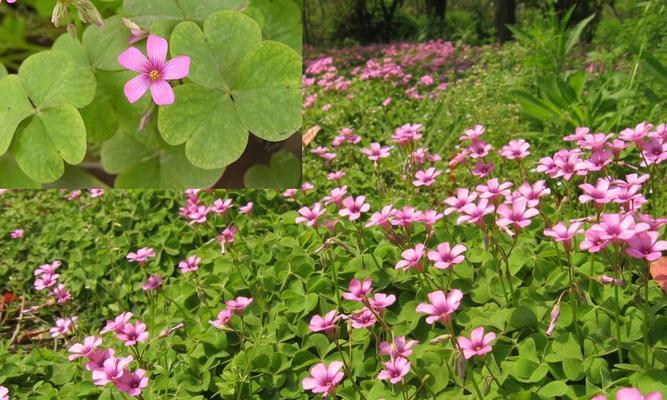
{"x":310,"y":135}
{"x":659,"y":272}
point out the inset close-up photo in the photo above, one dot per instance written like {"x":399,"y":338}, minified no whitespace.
{"x":167,"y":94}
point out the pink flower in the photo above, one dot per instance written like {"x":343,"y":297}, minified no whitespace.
{"x":426,"y":178}
{"x":336,"y":196}
{"x":358,"y":290}
{"x":517,"y":214}
{"x":62,"y":294}
{"x":362,"y":319}
{"x":336,"y":176}
{"x":601,"y":193}
{"x":637,"y":134}
{"x":382,"y":218}
{"x":429,"y":218}
{"x":479,"y":149}
{"x":136,"y":33}
{"x":608,"y":280}
{"x":246,"y":209}
{"x":376,"y":152}
{"x":405,"y":216}
{"x":326,"y":323}
{"x":141,"y":256}
{"x":189,"y":265}
{"x":446,"y":257}
{"x":132,"y":382}
{"x":395,"y":370}
{"x":533,"y":192}
{"x":380,"y":301}
{"x":90,"y":344}
{"x":473,"y":134}
{"x":154,"y":282}
{"x":155,"y":71}
{"x":387,"y":102}
{"x":354,"y":207}
{"x":309,"y":216}
{"x":594,"y":241}
{"x":95,"y":193}
{"x":113,"y":368}
{"x":441,"y":306}
{"x":4,"y":392}
{"x":63,"y":327}
{"x":635,"y":394}
{"x":220,"y":206}
{"x":463,"y":198}
{"x":515,"y":150}
{"x":563,"y":234}
{"x":239,"y":304}
{"x":47,"y":268}
{"x":407,"y":134}
{"x":17,"y":234}
{"x":645,"y":245}
{"x":96,"y":358}
{"x":324,"y":379}
{"x":132,"y":334}
{"x":474,"y":213}
{"x":222,"y":319}
{"x":411,"y":258}
{"x":398,"y":348}
{"x":46,"y":280}
{"x":482,"y":169}
{"x":478,"y":344}
{"x":566,"y":164}
{"x":117,"y":324}
{"x":618,"y":227}
{"x":494,"y":189}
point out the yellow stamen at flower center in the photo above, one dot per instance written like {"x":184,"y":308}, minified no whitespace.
{"x":154,"y":75}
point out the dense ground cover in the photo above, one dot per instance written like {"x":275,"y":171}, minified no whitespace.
{"x":443,"y":245}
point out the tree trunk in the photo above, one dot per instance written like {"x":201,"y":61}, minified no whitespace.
{"x":388,"y":17}
{"x":306,"y":23}
{"x":505,"y":15}
{"x":440,"y":14}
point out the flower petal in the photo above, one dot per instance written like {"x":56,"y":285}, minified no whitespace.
{"x":134,"y":60}
{"x":176,"y":68}
{"x":163,"y":94}
{"x":135,"y":88}
{"x":157,"y":49}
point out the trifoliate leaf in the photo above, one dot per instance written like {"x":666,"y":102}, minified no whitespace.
{"x":14,"y":108}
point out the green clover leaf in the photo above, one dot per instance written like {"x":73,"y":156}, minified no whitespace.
{"x":241,"y":85}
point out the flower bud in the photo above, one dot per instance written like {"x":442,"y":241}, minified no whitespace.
{"x":60,"y":14}
{"x":555,"y":313}
{"x":88,"y":12}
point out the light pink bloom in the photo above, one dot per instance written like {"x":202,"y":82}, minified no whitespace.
{"x":601,"y":193}
{"x":96,"y":358}
{"x":47,"y":268}
{"x":136,"y":33}
{"x":474,"y":213}
{"x":635,"y":394}
{"x":63,"y":327}
{"x":17,"y":234}
{"x":493,"y":189}
{"x":441,"y":305}
{"x":445,"y":257}
{"x":517,"y":214}
{"x":189,"y":265}
{"x":645,"y":245}
{"x":63,"y":295}
{"x":336,"y":176}
{"x":563,"y":234}
{"x":4,"y":392}
{"x":376,"y":151}
{"x":222,"y":319}
{"x":398,"y":348}
{"x":154,"y":282}
{"x":336,"y":196}
{"x":220,"y":206}
{"x":578,"y":135}
{"x":155,"y":71}
{"x":515,"y":150}
{"x":246,"y":209}
{"x":380,"y":301}
{"x":608,"y":280}
{"x":533,"y":192}
{"x":405,"y":216}
{"x":456,"y":203}
{"x":326,"y":323}
{"x":479,"y":149}
{"x":354,"y":207}
{"x":429,"y":218}
{"x":132,"y":334}
{"x":426,"y":178}
{"x":239,"y":304}
{"x":90,"y":344}
{"x":473,"y":134}
{"x":618,"y":227}
{"x":141,"y":256}
{"x":637,"y":134}
{"x":132,"y":382}
{"x":324,"y":379}
{"x":113,"y":369}
{"x":382,"y":218}
{"x":310,"y":215}
{"x":395,"y":370}
{"x":95,"y":193}
{"x":411,"y":258}
{"x":358,"y":290}
{"x":363,"y":318}
{"x":594,"y":241}
{"x":478,"y":344}
{"x":117,"y":324}
{"x":46,"y":280}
